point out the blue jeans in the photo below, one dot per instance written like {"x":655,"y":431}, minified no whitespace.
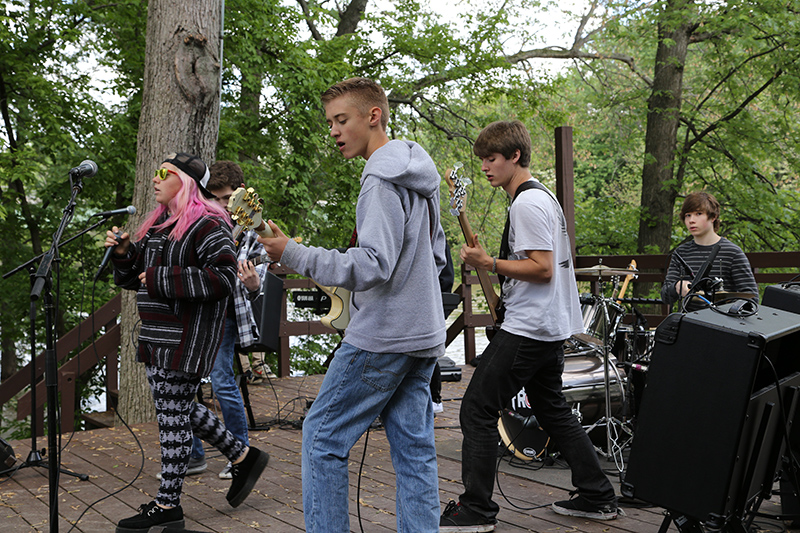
{"x":358,"y":387}
{"x":509,"y":363}
{"x":225,"y":389}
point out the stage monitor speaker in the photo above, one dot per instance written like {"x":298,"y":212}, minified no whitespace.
{"x":786,"y":297}
{"x":709,"y":422}
{"x":267,"y":311}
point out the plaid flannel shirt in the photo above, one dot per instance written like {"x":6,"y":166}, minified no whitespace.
{"x":242,"y":298}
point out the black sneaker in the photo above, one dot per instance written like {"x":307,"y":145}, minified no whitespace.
{"x":458,"y":519}
{"x":578,"y":506}
{"x":245,"y":475}
{"x":151,"y":515}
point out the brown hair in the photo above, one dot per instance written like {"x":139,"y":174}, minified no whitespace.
{"x":225,"y":174}
{"x":364,"y":93}
{"x":505,"y":137}
{"x":702,"y":202}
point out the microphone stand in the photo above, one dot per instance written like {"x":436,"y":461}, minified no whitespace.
{"x":35,"y":456}
{"x":42,"y":286}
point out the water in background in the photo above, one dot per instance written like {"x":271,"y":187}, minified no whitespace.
{"x":456,"y":349}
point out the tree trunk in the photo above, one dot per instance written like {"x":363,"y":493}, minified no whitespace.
{"x":659,"y":188}
{"x":180,"y":113}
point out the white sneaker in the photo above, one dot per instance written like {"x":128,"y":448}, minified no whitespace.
{"x":226,"y":472}
{"x":438,"y":407}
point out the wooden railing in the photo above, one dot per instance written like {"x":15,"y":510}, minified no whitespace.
{"x":105,"y":349}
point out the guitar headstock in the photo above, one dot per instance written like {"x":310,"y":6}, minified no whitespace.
{"x":245,"y":208}
{"x":458,"y":189}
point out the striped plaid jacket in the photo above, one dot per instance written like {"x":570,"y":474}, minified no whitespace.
{"x":183,"y":302}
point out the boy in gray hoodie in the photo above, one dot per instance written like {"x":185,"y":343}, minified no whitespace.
{"x":396,"y":330}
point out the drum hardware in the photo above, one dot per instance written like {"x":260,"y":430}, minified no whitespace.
{"x":601,"y":322}
{"x":584,"y":389}
{"x":594,"y":384}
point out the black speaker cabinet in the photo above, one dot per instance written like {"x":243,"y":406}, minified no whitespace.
{"x":267,"y":311}
{"x":786,"y":297}
{"x":708,"y":436}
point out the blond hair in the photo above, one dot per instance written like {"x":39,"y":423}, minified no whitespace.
{"x":364,"y":94}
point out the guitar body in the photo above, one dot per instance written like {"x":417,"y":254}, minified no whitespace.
{"x":245,"y":207}
{"x":339,"y":315}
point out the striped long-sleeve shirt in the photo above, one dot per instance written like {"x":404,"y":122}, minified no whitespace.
{"x":730,"y":264}
{"x":183,"y":302}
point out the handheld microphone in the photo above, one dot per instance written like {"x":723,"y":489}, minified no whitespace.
{"x":86,"y":169}
{"x":107,"y":257}
{"x":131,"y":210}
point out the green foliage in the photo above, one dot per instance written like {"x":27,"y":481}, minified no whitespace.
{"x":446,"y":77}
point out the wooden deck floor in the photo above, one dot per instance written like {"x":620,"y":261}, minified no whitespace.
{"x":122,"y":476}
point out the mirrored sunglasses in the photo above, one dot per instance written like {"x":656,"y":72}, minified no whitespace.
{"x":162,"y":173}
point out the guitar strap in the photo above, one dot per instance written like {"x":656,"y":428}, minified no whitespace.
{"x":504,"y":245}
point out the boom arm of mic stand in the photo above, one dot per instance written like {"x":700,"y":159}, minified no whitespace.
{"x":29,"y":262}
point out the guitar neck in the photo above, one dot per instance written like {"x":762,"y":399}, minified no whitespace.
{"x":483,"y":276}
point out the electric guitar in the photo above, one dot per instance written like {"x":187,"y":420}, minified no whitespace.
{"x":628,"y":278}
{"x":458,"y":195}
{"x":245,"y":208}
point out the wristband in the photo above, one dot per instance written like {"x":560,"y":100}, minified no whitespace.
{"x":494,"y":265}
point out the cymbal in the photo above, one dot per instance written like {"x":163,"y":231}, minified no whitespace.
{"x":603,"y":270}
{"x":723,"y":295}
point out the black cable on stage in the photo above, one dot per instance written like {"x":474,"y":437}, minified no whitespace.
{"x":118,"y":414}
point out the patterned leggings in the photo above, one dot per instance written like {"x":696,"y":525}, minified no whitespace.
{"x":179,"y":417}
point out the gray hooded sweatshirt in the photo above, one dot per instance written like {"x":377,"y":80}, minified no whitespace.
{"x":396,"y":304}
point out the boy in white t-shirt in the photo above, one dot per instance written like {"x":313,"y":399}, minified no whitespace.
{"x":541,"y":311}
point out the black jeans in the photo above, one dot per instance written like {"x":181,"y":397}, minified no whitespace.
{"x":508,"y":364}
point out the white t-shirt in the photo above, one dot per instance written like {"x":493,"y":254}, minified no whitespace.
{"x":541,"y":311}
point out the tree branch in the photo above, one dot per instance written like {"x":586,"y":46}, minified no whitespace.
{"x":311,"y":26}
{"x":350,"y":17}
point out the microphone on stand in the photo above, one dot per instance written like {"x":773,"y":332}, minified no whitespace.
{"x":107,"y":256}
{"x":86,"y":169}
{"x":684,"y":263}
{"x":131,"y":210}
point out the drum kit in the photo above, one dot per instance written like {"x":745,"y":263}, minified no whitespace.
{"x":604,"y":374}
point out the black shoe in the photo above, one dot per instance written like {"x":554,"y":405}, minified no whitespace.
{"x":245,"y":475}
{"x":579,"y":507}
{"x":458,"y":519}
{"x":151,"y":515}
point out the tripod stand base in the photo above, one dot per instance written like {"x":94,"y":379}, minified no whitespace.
{"x":35,"y":458}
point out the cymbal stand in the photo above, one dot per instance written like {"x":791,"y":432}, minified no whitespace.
{"x":614,"y":447}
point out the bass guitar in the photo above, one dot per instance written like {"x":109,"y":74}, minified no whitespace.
{"x":458,"y":203}
{"x":245,"y":208}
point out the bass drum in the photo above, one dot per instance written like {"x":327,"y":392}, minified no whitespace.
{"x":584,"y":389}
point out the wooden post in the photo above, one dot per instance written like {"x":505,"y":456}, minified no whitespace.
{"x":565,"y":179}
